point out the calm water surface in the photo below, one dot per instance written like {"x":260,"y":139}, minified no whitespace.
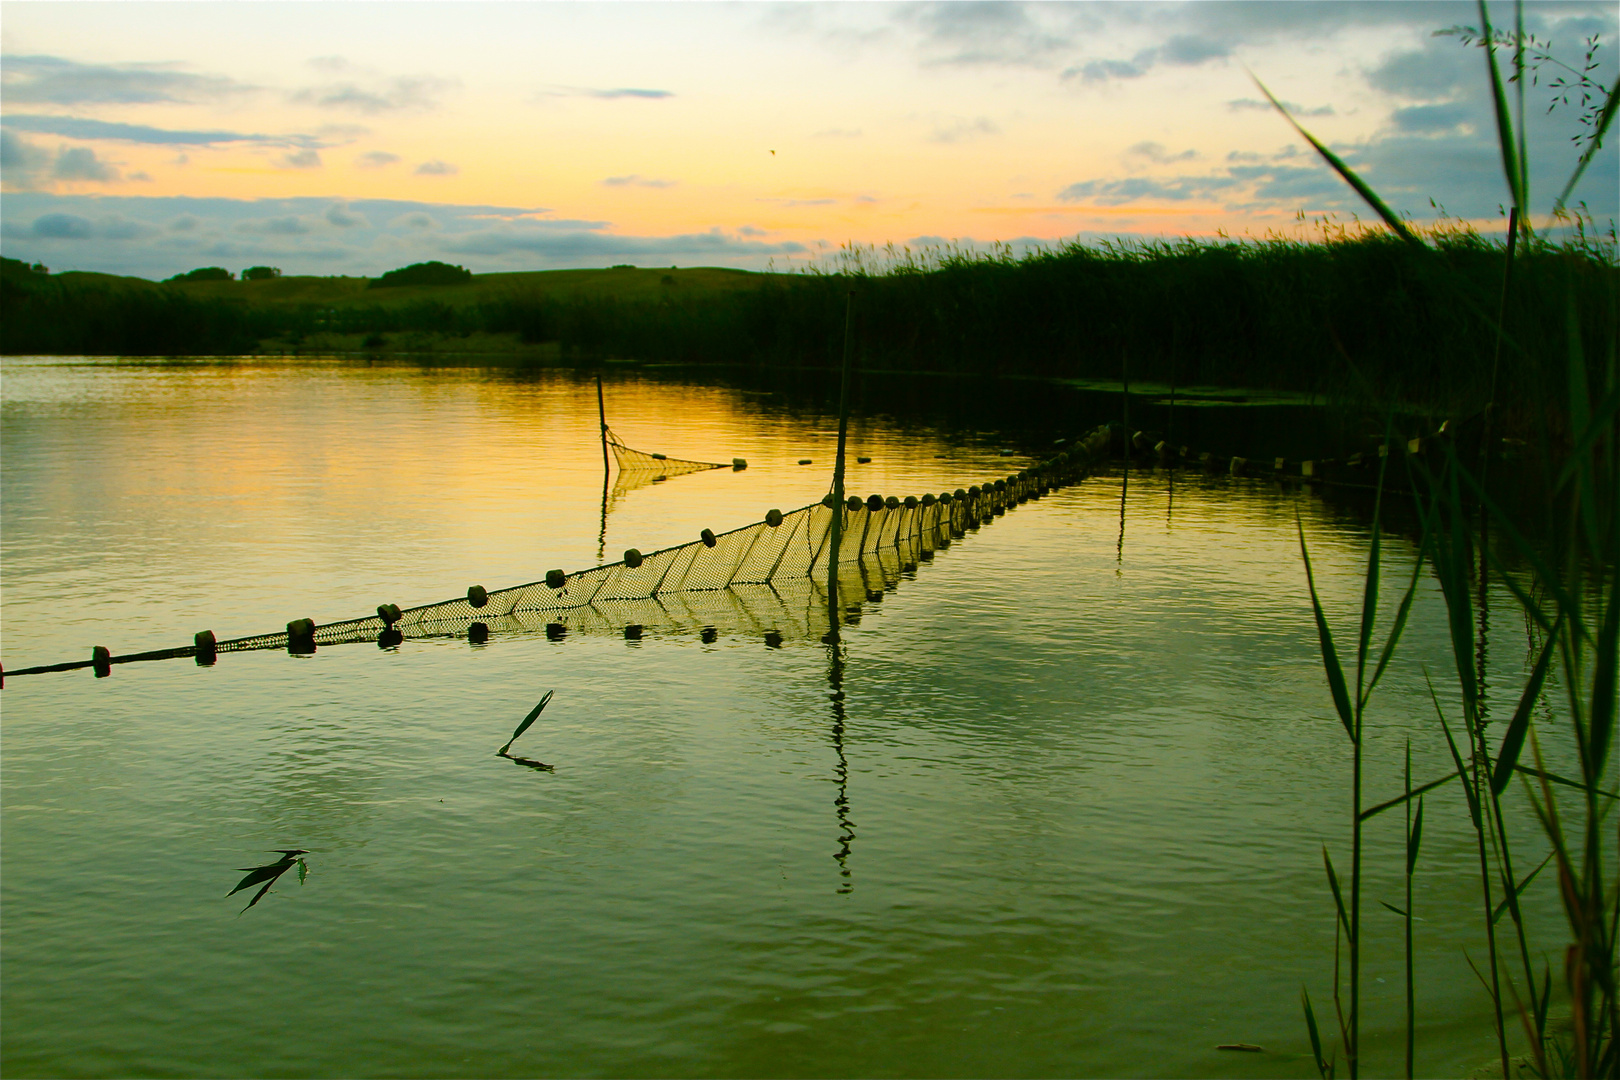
{"x":1065,"y":817}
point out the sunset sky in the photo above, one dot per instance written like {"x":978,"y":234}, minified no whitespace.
{"x":351,"y":138}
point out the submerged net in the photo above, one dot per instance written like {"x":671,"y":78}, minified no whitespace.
{"x":771,"y":577}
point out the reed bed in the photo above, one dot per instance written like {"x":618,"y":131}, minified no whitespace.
{"x":1567,"y":583}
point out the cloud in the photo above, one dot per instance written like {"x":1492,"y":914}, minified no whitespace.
{"x":1156,"y":153}
{"x":1294,"y":108}
{"x":437,"y":168}
{"x":1430,"y":119}
{"x":61,"y":227}
{"x":799,"y":202}
{"x":977,"y":33}
{"x":287,"y":225}
{"x":416,"y":219}
{"x":21,"y":162}
{"x":406,"y":94}
{"x":1137,"y":188}
{"x":340,"y":215}
{"x":301,"y":159}
{"x":375,"y":159}
{"x":628,"y":92}
{"x":52,"y":80}
{"x":1101,"y":71}
{"x":637,"y":181}
{"x":78,"y":127}
{"x":80,"y":163}
{"x":77,"y":228}
{"x":1187,"y":50}
{"x":185,"y":223}
{"x":599,"y":245}
{"x":962,"y":130}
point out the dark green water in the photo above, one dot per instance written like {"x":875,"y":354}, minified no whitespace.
{"x":1066,"y":818}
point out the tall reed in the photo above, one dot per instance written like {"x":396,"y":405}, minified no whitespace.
{"x":1571,"y":594}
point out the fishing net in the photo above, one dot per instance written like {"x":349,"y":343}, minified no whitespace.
{"x":772,"y":577}
{"x":654,"y":465}
{"x":768,"y":577}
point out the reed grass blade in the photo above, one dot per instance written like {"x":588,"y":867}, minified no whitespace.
{"x":527,"y":721}
{"x":1504,"y":120}
{"x":1462,"y":770}
{"x":1401,"y":613}
{"x":1513,"y":741}
{"x":1415,"y":840}
{"x":1367,"y":194}
{"x":1323,"y":1069}
{"x":1338,"y":897}
{"x":1518,"y":890}
{"x":1401,"y":799}
{"x":1330,"y":656}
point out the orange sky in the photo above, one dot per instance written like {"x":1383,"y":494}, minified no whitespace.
{"x":151,"y":135}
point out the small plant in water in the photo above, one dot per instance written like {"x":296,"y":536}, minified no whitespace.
{"x":270,"y":873}
{"x":521,"y":728}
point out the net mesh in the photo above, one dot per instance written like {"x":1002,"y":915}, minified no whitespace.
{"x":653,"y":466}
{"x":770,"y":576}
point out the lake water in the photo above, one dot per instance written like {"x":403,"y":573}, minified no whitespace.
{"x":1056,"y":807}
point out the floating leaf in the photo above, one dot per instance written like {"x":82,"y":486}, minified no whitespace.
{"x":524,"y":726}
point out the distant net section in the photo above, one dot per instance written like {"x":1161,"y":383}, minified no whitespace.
{"x":652,"y":466}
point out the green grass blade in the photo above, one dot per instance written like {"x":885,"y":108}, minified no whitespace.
{"x":1554,"y":778}
{"x":1330,"y":655}
{"x":1399,"y":625}
{"x":1400,"y":799}
{"x":1415,"y":841}
{"x":1513,"y":740}
{"x":1504,"y":119}
{"x":1598,"y":426}
{"x":1393,"y":908}
{"x":1605,"y":119}
{"x":527,"y":720}
{"x":1367,"y":194}
{"x":1338,"y":897}
{"x":1462,"y":770}
{"x":1316,"y":1036}
{"x":1369,"y":592}
{"x":1600,"y":726}
{"x":1518,"y":891}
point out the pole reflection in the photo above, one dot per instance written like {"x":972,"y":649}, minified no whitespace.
{"x":835,"y":684}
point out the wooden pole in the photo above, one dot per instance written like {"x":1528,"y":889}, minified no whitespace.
{"x":833,"y":615}
{"x":601,"y":414}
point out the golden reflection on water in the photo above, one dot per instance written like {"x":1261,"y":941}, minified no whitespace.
{"x":1055,"y":806}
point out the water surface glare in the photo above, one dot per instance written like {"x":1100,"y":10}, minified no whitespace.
{"x":1056,"y":808}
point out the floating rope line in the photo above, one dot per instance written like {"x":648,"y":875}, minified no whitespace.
{"x":767,"y":577}
{"x":1350,"y":471}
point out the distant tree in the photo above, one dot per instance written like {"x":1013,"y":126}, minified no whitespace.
{"x":205,"y":273}
{"x":622,"y":266}
{"x":427,"y":273}
{"x":261,"y":273}
{"x":40,"y":268}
